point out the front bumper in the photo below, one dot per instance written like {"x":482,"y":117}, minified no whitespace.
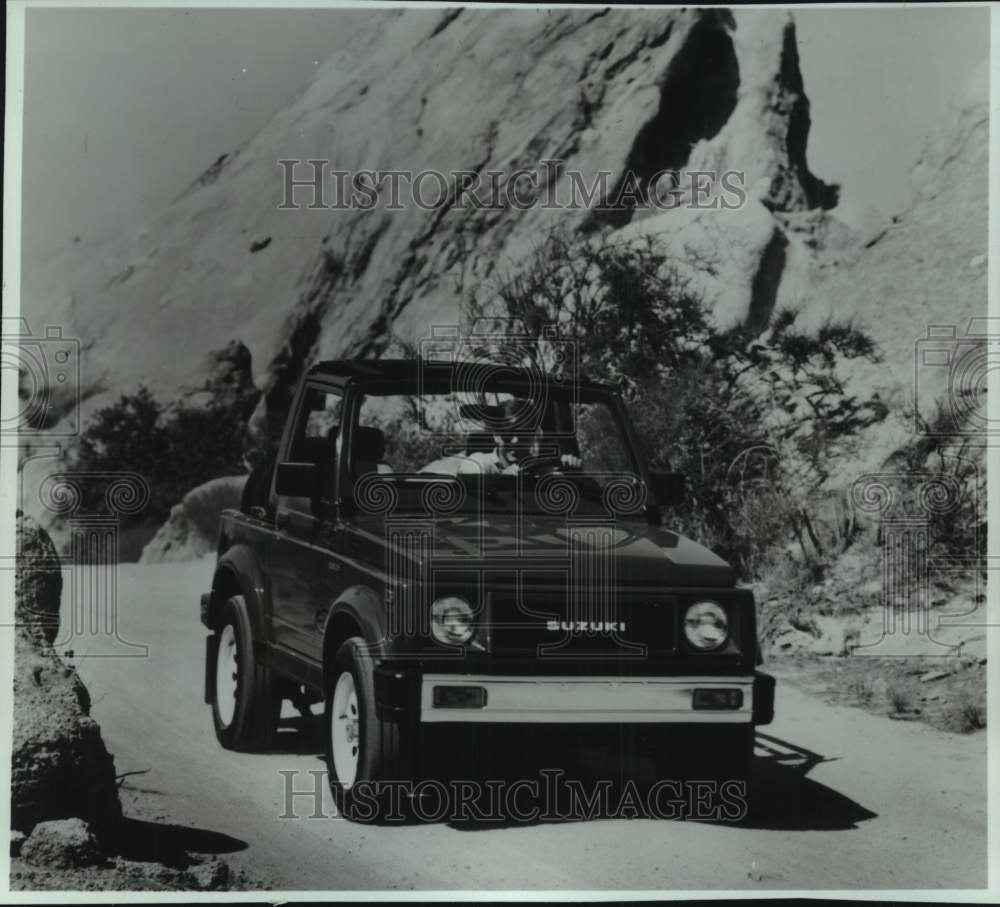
{"x":584,"y":700}
{"x":591,"y":700}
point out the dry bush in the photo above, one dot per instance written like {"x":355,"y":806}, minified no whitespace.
{"x":900,"y":696}
{"x":861,"y":688}
{"x":972,"y":716}
{"x":967,"y":712}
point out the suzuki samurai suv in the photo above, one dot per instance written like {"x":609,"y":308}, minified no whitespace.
{"x":438,"y":545}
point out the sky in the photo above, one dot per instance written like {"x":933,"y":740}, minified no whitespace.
{"x":125,"y":107}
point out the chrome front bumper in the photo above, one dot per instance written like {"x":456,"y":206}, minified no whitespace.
{"x":553,"y":700}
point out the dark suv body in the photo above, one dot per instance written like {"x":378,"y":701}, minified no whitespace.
{"x":369,"y":571}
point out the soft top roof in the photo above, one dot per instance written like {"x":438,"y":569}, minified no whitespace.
{"x":436,"y":372}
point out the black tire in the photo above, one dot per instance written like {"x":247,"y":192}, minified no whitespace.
{"x":254,"y":714}
{"x":383,"y":752}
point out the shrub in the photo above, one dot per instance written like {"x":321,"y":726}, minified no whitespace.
{"x":949,"y":475}
{"x":900,"y":696}
{"x":862,"y":688}
{"x":967,"y":713}
{"x":174,"y":447}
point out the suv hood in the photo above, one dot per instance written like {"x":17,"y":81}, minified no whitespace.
{"x":648,"y":555}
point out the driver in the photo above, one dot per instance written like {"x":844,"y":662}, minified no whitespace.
{"x":513,"y":446}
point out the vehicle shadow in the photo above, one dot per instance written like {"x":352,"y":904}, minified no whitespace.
{"x":786,"y":798}
{"x":171,"y":845}
{"x":530,"y":779}
{"x":593,"y":785}
{"x":298,"y":736}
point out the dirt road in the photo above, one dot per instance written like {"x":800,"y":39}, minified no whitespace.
{"x":848,"y":800}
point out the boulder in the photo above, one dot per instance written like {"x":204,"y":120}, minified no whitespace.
{"x":212,"y":875}
{"x":832,"y":637}
{"x":789,"y":641}
{"x":801,"y":634}
{"x":62,"y":844}
{"x":192,"y":529}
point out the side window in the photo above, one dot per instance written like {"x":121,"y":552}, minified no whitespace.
{"x":402,"y":433}
{"x":381,"y":421}
{"x":317,"y":434}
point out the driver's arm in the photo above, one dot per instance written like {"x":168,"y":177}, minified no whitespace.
{"x":482,"y":463}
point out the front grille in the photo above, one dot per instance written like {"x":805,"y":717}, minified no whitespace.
{"x":559,"y":623}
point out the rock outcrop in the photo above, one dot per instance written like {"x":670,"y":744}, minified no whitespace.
{"x":60,"y":767}
{"x":193,"y":527}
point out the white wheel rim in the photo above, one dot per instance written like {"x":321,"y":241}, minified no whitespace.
{"x":226,"y":670}
{"x":345,"y":730}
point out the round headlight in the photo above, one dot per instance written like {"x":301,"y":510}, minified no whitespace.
{"x":451,"y":620}
{"x":706,"y":625}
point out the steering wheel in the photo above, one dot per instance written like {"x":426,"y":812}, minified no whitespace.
{"x":544,"y":466}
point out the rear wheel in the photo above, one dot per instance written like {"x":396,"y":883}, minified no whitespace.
{"x":245,"y":703}
{"x":363,"y":753}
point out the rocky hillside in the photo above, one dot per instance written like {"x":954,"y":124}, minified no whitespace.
{"x":474,"y":90}
{"x":612,"y":90}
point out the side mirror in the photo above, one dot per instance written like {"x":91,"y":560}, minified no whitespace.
{"x":297,"y":480}
{"x":669,"y":488}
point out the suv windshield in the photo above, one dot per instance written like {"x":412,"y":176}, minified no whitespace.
{"x":544,"y":448}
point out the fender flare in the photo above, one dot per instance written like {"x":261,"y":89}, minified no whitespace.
{"x":239,"y":567}
{"x":366,"y":608}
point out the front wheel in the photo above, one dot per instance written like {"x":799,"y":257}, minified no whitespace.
{"x":362,"y":752}
{"x":345,"y":730}
{"x":245,"y":704}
